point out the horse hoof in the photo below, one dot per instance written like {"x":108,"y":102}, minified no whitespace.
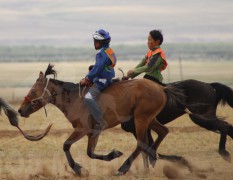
{"x":152,"y":163}
{"x":225,"y":155}
{"x":81,"y":172}
{"x":117,"y":153}
{"x":84,"y":173}
{"x":114,"y":154}
{"x":119,"y":173}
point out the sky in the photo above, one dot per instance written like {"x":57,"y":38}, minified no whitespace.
{"x":72,"y":22}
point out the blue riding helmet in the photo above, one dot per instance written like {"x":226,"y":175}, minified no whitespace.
{"x":101,"y":35}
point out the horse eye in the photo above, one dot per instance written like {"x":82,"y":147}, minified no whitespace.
{"x":33,"y":93}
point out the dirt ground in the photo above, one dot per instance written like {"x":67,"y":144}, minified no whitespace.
{"x":45,"y":159}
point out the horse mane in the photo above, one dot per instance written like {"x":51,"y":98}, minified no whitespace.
{"x":67,"y":86}
{"x":51,"y":71}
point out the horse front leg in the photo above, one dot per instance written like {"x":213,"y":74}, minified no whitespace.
{"x":92,"y":142}
{"x":75,"y":136}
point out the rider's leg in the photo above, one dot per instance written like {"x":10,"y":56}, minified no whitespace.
{"x":90,"y":100}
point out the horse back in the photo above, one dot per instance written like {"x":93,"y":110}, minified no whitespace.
{"x":129,"y":98}
{"x":200,"y":95}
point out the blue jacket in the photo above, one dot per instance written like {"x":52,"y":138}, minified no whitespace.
{"x":102,"y":68}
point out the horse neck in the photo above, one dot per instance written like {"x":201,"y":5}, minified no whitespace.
{"x":64,"y":94}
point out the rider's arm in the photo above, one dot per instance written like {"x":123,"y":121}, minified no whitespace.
{"x":141,"y":64}
{"x":143,"y":67}
{"x":98,"y":67}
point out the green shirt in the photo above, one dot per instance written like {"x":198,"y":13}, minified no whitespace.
{"x":153,"y":68}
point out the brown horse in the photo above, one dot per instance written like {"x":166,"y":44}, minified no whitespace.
{"x":141,"y":99}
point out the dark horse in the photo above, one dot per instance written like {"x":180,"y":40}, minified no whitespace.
{"x":202,"y":98}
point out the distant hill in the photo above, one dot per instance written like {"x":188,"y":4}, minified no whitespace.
{"x":72,"y":22}
{"x":208,"y":51}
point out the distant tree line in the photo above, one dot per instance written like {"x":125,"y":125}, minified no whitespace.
{"x":204,"y":51}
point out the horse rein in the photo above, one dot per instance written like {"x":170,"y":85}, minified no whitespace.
{"x":41,"y":98}
{"x":83,"y":90}
{"x":46,"y":90}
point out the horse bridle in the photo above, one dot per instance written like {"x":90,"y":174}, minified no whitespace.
{"x":41,"y":98}
{"x":46,"y":90}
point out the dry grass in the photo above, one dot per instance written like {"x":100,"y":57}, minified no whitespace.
{"x":45,"y":159}
{"x":21,"y":159}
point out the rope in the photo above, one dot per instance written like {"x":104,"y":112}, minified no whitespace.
{"x":79,"y":90}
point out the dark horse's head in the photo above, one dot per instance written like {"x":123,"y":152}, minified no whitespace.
{"x":38,"y":95}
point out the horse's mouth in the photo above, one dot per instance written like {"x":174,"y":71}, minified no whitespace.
{"x":23,"y":114}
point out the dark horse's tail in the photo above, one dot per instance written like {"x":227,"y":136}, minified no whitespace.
{"x":9,"y":111}
{"x":224,"y":94}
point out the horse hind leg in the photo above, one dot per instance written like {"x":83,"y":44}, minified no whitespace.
{"x":161,"y":131}
{"x":92,"y":142}
{"x":145,"y":155}
{"x":215,"y":124}
{"x":141,"y":125}
{"x":222,"y":148}
{"x":222,"y":144}
{"x":127,"y":164}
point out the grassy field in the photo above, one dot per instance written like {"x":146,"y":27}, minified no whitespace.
{"x":45,"y":159}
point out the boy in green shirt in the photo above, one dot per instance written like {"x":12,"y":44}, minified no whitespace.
{"x":154,"y":61}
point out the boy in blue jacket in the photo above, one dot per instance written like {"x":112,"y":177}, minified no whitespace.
{"x":100,"y":75}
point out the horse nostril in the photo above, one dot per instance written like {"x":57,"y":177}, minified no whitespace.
{"x":19,"y":111}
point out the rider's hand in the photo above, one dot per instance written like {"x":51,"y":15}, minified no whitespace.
{"x":125,"y":78}
{"x":130,"y":72}
{"x":82,"y":81}
{"x":85,"y":81}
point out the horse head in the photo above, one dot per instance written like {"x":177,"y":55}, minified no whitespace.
{"x":39,"y":94}
{"x":37,"y":97}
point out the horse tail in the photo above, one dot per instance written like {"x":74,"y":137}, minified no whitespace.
{"x":9,"y":111}
{"x":224,"y":94}
{"x":176,"y":97}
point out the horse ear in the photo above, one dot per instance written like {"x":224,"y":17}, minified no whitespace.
{"x":41,"y":75}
